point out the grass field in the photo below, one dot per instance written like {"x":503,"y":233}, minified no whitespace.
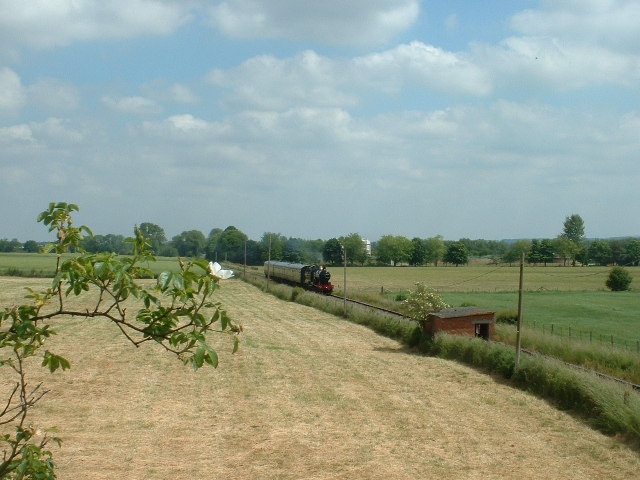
{"x":309,"y":396}
{"x":475,"y":278}
{"x":562,"y":296}
{"x":44,"y":265}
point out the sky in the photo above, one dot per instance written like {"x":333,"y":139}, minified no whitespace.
{"x":458,"y":118}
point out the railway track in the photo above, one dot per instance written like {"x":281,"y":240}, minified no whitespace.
{"x":374,"y":307}
{"x":532,"y":353}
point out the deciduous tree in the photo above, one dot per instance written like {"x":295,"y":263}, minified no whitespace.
{"x":155,"y":234}
{"x":332,"y":251}
{"x":457,"y":254}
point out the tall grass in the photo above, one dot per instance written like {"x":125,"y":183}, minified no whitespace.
{"x":618,"y":363}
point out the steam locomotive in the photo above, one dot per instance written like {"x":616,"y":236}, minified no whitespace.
{"x":311,"y":277}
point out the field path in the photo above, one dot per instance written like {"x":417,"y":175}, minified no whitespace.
{"x":309,"y":396}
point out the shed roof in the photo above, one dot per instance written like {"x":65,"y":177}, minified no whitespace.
{"x":462,"y":312}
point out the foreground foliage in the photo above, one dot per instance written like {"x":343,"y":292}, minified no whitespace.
{"x":177,"y":314}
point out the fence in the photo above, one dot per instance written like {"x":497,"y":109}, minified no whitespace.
{"x":586,"y":336}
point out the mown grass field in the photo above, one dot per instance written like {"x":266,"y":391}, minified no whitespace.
{"x":43,"y":265}
{"x":309,"y":396}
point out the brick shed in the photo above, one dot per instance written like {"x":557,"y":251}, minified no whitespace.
{"x":472,"y":321}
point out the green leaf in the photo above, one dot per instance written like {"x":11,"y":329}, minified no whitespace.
{"x":54,"y":362}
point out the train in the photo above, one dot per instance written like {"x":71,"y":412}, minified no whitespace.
{"x":312,"y":277}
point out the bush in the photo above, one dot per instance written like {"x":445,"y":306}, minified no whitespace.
{"x":619,"y":280}
{"x":510,"y":317}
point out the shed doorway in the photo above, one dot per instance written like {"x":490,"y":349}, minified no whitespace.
{"x":482,"y":330}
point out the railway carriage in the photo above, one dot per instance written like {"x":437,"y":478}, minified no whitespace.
{"x":311,"y":277}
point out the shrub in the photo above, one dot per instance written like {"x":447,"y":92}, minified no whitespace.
{"x":510,"y":317}
{"x":619,"y":279}
{"x":422,"y":301}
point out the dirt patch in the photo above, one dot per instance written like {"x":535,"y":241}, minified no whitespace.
{"x":309,"y":396}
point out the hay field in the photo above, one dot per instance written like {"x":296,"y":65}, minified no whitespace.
{"x":309,"y":396}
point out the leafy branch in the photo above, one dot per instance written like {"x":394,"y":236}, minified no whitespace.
{"x":177,"y":314}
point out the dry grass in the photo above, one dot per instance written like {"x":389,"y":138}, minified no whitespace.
{"x":309,"y":396}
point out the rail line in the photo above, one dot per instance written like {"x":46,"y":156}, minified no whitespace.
{"x":374,"y":307}
{"x":531,"y":353}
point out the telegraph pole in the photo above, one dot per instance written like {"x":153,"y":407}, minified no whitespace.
{"x":344,"y":289}
{"x":269,"y":265}
{"x":519,"y":325}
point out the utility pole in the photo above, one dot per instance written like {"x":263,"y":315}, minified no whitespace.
{"x":519,"y":325}
{"x":344,"y":289}
{"x":269,"y":265}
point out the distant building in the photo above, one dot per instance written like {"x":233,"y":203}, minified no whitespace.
{"x":367,"y":246}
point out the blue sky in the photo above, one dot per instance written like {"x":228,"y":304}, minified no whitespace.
{"x":319,"y":119}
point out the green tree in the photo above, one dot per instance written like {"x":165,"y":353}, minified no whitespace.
{"x":393,"y":249}
{"x":177,"y":314}
{"x":189,"y":243}
{"x":534,"y":255}
{"x":574,"y":228}
{"x":600,"y":252}
{"x":31,"y":246}
{"x":274,"y":241}
{"x":457,"y":254}
{"x":564,"y":247}
{"x":332,"y":251}
{"x":619,"y":279}
{"x":227,"y":245}
{"x":418,"y":252}
{"x":10,"y":245}
{"x":541,"y":251}
{"x":107,"y":243}
{"x":155,"y":234}
{"x":632,"y":250}
{"x":435,"y":249}
{"x":515,"y":251}
{"x":355,"y":247}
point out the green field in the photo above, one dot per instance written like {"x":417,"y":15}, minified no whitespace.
{"x":475,"y":278}
{"x":572,"y":299}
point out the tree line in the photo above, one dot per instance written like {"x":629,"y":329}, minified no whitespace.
{"x":233,"y":245}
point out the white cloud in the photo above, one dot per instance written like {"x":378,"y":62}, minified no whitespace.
{"x":425,"y":66}
{"x":57,"y":131}
{"x":46,"y":24}
{"x":132,"y":105}
{"x":52,"y":131}
{"x":310,"y":80}
{"x":608,"y":23}
{"x":12,"y":95}
{"x":183,"y":94}
{"x":52,"y":94}
{"x":269,"y":83}
{"x":335,"y":22}
{"x":16,"y":134}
